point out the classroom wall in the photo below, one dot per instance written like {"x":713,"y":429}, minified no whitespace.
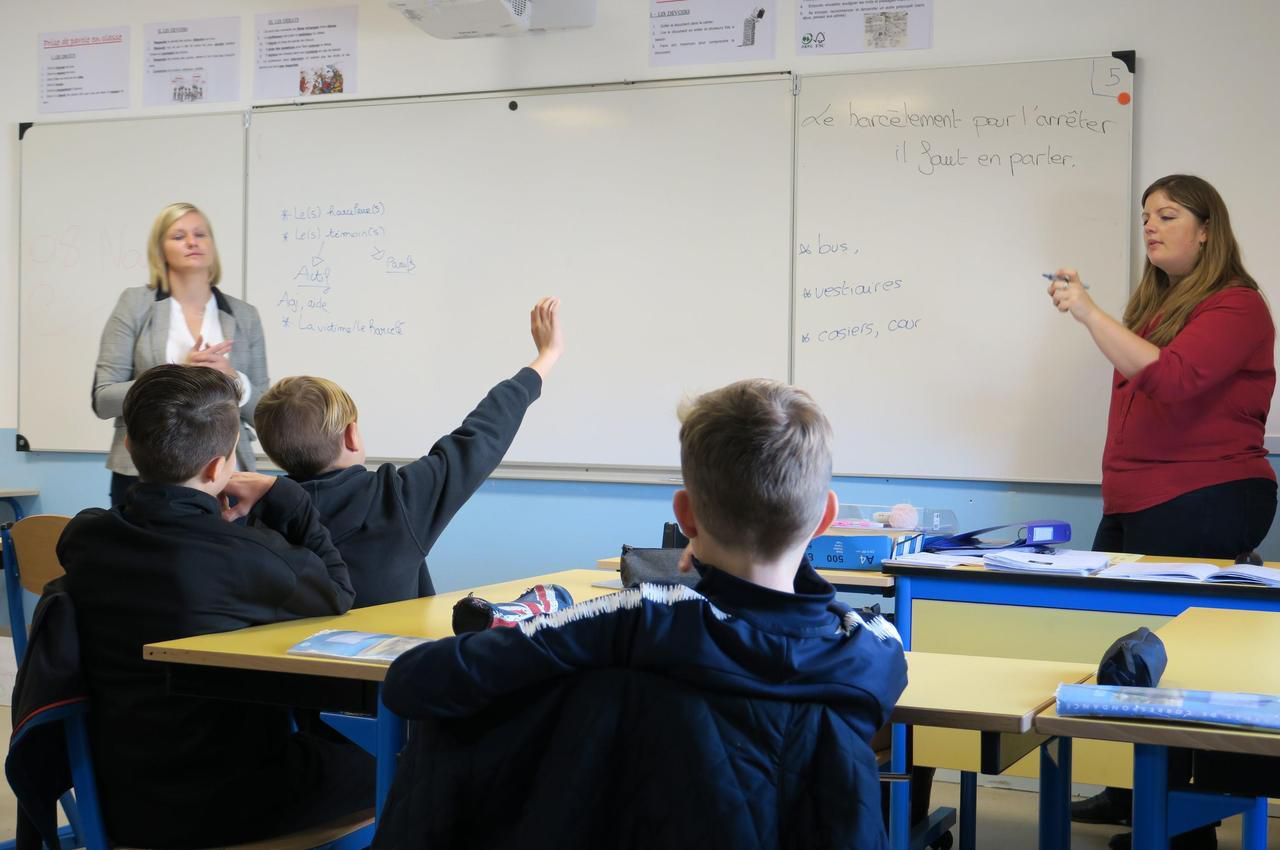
{"x":1203,"y":103}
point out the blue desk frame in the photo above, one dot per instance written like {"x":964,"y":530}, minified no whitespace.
{"x":1155,"y":819}
{"x":12,"y":584}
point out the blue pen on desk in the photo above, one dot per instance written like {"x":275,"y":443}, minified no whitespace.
{"x":1048,"y":276}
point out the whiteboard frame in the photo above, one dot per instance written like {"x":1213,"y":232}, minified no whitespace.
{"x":620,"y":474}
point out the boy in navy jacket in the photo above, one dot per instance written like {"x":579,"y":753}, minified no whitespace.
{"x":385,"y":522}
{"x":180,"y":771}
{"x":756,"y":459}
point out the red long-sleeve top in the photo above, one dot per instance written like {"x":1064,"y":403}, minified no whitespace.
{"x":1196,"y":416}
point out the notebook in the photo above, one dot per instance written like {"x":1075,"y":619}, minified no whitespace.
{"x":356,"y":646}
{"x":1234,"y":574}
{"x":1223,"y":708}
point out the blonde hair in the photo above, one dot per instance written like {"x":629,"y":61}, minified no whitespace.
{"x":159,"y":268}
{"x":756,"y":458}
{"x":300,"y":421}
{"x":1218,"y":266}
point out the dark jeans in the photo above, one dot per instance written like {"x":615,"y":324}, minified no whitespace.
{"x":1223,"y":521}
{"x":120,"y":485}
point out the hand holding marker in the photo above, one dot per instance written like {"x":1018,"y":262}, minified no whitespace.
{"x":1048,"y":276}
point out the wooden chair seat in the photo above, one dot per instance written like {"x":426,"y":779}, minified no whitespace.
{"x":317,"y":836}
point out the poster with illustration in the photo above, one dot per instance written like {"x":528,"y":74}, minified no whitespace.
{"x":694,"y":32}
{"x":306,"y":53}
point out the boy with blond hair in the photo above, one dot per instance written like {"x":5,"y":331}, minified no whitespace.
{"x":385,"y":521}
{"x":761,"y":624}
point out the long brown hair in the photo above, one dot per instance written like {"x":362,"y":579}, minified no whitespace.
{"x":1218,"y":266}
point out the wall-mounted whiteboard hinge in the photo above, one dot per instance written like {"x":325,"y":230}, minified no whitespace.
{"x":248,"y":118}
{"x":795,"y":86}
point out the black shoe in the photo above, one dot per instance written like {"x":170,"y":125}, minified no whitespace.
{"x":1110,"y":805}
{"x":1201,"y":838}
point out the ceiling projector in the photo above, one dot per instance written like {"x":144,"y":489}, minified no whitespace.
{"x":480,"y":18}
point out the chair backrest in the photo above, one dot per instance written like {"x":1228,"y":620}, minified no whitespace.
{"x":35,"y":541}
{"x":89,"y":831}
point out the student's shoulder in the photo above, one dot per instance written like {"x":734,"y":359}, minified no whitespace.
{"x":92,"y":519}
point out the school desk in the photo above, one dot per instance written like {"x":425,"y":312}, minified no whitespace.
{"x":999,"y":698}
{"x":11,"y":497}
{"x":254,"y":664}
{"x":974,"y":611}
{"x":1210,"y":649}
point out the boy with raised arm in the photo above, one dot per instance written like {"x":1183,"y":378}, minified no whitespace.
{"x":385,"y":521}
{"x":178,"y":771}
{"x":761,"y":623}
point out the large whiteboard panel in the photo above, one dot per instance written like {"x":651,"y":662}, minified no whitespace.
{"x":90,"y":191}
{"x":397,"y":248}
{"x":928,"y":204}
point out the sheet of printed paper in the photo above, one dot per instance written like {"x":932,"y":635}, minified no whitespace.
{"x":861,"y":26}
{"x":84,"y":69}
{"x":191,"y":62}
{"x":697,"y":32}
{"x":305,"y":53}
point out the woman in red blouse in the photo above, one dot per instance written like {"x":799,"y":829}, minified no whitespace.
{"x":1184,"y":470}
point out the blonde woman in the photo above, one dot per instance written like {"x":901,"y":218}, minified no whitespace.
{"x":1184,"y":469}
{"x":180,"y":316}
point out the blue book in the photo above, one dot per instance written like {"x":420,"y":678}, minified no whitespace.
{"x":356,"y":646}
{"x":1220,"y":708}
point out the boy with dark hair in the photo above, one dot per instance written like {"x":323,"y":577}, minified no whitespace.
{"x":386,"y":521}
{"x":186,"y":772}
{"x":761,"y":624}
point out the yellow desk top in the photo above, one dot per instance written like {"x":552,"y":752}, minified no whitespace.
{"x":1209,"y":649}
{"x":264,"y":647}
{"x":981,"y":693}
{"x":862,"y":578}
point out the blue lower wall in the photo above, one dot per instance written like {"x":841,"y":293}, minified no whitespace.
{"x":514,"y":528}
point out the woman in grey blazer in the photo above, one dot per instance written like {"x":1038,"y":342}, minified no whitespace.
{"x":180,"y":316}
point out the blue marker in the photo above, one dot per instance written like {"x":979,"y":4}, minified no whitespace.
{"x":1047,"y":276}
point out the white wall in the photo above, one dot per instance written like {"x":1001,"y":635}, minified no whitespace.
{"x":1205,"y":103}
{"x":1205,"y":98}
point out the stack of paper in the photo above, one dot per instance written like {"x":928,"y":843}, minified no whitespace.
{"x":930,"y":559}
{"x":1236,"y":574}
{"x":1068,"y":562}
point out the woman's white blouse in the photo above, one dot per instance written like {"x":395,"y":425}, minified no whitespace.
{"x":180,"y":341}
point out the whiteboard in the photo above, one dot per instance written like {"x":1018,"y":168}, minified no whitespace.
{"x":397,"y":249}
{"x":928,"y":204}
{"x":89,"y":194}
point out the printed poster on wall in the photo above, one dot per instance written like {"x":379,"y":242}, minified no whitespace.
{"x":84,"y":69}
{"x":697,"y":32}
{"x":862,"y":26}
{"x":191,"y":62}
{"x":305,"y":53}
